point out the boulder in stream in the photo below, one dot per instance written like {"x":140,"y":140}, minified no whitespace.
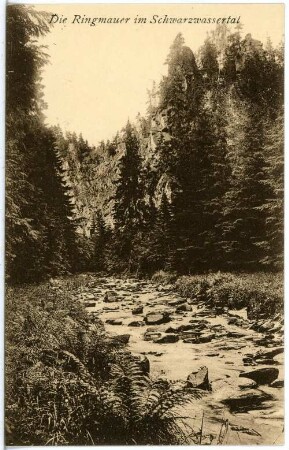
{"x":157,"y":318}
{"x":199,"y":379}
{"x":265,"y":375}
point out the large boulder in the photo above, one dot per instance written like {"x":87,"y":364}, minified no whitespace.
{"x":157,"y":318}
{"x":199,"y":379}
{"x":265,"y":375}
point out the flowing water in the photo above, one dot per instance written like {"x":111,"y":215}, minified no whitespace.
{"x":230,"y":340}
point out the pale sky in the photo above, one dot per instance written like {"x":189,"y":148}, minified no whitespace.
{"x":98,"y":76}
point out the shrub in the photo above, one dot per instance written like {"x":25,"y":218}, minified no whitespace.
{"x":163,"y":277}
{"x":260,"y":293}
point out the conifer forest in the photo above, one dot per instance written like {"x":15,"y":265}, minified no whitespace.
{"x":144,"y":285}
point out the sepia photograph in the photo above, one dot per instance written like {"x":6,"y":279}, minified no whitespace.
{"x":144,"y":190}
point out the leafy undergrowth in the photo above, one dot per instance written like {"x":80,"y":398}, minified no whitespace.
{"x":68,"y":382}
{"x":261,"y":293}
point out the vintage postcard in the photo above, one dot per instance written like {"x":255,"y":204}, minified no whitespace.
{"x":144,"y":224}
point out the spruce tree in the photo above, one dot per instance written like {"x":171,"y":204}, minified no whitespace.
{"x":38,"y":229}
{"x":129,"y":209}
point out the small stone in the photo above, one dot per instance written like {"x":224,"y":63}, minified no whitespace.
{"x":138,"y":310}
{"x":110,"y":296}
{"x":167,"y":339}
{"x":266,"y":361}
{"x":114,"y":321}
{"x":89,"y":304}
{"x":151,"y":335}
{"x":183,"y":328}
{"x":277,"y":384}
{"x":136,"y":323}
{"x":246,"y":383}
{"x":176,"y":302}
{"x":123,"y":338}
{"x":183,"y":308}
{"x":171,"y":330}
{"x":271,"y":353}
{"x":145,"y":365}
{"x":235,"y":334}
{"x":194,"y":340}
{"x":206,"y":337}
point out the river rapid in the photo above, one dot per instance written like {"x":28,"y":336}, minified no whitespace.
{"x":227,"y":345}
